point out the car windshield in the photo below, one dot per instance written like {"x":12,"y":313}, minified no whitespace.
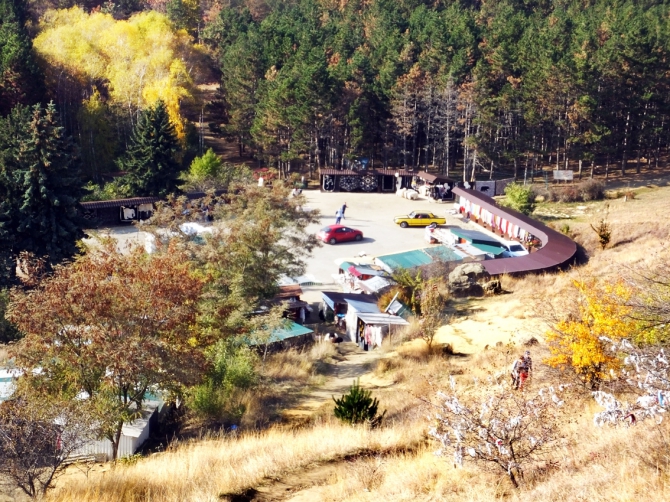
{"x":326,"y":230}
{"x":412,"y":214}
{"x":515,"y":247}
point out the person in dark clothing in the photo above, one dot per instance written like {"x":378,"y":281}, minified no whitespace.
{"x":343,"y":209}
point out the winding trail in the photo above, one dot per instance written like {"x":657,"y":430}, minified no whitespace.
{"x":354,"y":363}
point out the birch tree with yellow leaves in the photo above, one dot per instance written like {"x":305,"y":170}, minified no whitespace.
{"x":575,"y":340}
{"x":133,"y":63}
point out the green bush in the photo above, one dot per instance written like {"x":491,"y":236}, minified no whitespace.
{"x":116,"y":189}
{"x":358,"y":406}
{"x":233,"y":368}
{"x":520,"y":198}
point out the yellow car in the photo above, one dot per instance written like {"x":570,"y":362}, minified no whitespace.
{"x":418,"y":219}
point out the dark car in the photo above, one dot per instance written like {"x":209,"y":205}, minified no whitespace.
{"x":332,"y":234}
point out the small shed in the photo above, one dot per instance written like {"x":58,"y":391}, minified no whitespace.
{"x":133,"y":435}
{"x":345,"y":306}
{"x":373,"y":327}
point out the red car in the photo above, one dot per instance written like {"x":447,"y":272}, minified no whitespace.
{"x":332,"y":234}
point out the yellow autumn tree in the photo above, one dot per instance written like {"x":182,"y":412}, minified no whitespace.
{"x":139,"y":60}
{"x":575,"y":341}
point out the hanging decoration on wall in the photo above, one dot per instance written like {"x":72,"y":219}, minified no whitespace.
{"x":369,"y":183}
{"x":328,"y":183}
{"x":350,"y":183}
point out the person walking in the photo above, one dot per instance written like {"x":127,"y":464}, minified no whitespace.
{"x":529,"y":363}
{"x":343,"y":209}
{"x":519,"y":372}
{"x":338,"y":216}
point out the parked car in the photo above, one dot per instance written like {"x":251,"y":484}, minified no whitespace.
{"x":332,"y":234}
{"x":513,"y":249}
{"x":418,"y":219}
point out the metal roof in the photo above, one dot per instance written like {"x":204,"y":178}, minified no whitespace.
{"x":374,"y":284}
{"x":367,"y":172}
{"x":381,"y":318}
{"x":363,"y":306}
{"x":104,"y":204}
{"x":359,"y":270}
{"x":289,"y":290}
{"x":136,"y":201}
{"x":433,"y":178}
{"x":343,"y":172}
{"x":557,"y":249}
{"x":333,"y":297}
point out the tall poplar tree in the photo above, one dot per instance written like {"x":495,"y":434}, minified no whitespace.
{"x":151,"y":160}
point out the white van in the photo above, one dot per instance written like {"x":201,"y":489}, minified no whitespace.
{"x":513,"y":249}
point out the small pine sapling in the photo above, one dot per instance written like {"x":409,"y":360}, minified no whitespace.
{"x":358,"y":406}
{"x":604,"y":231}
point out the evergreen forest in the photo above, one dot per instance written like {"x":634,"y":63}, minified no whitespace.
{"x":478,"y":88}
{"x":489,"y":86}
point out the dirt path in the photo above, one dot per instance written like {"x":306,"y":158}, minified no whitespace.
{"x":354,"y":363}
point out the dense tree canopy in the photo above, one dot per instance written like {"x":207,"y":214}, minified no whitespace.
{"x":114,"y":326}
{"x":39,"y":188}
{"x":508,"y":84}
{"x":20,"y":78}
{"x":151,"y":160}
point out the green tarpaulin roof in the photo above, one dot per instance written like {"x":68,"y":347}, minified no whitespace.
{"x":289,"y":330}
{"x":418,"y":257}
{"x":408,"y":259}
{"x":474,"y":236}
{"x":488,"y":248}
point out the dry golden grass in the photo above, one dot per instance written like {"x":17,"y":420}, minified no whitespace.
{"x":599,"y":465}
{"x":594,"y":464}
{"x":298,"y":365}
{"x":207,"y":470}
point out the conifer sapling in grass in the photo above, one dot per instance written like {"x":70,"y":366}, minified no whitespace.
{"x":358,"y":406}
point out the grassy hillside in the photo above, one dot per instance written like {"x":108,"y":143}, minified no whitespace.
{"x":322,"y":460}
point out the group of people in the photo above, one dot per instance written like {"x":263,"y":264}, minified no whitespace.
{"x":339,"y":214}
{"x":522,"y":369}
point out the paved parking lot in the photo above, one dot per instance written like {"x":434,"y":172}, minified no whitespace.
{"x":373,"y":215}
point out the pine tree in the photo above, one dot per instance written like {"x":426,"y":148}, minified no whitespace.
{"x":358,"y":406}
{"x":42,"y":169}
{"x":20,"y":78}
{"x":151,"y":158}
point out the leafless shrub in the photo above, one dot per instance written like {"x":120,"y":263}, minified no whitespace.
{"x":592,"y":190}
{"x":38,"y":438}
{"x":504,"y":430}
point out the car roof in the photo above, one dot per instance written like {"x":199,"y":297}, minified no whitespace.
{"x":335,"y":227}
